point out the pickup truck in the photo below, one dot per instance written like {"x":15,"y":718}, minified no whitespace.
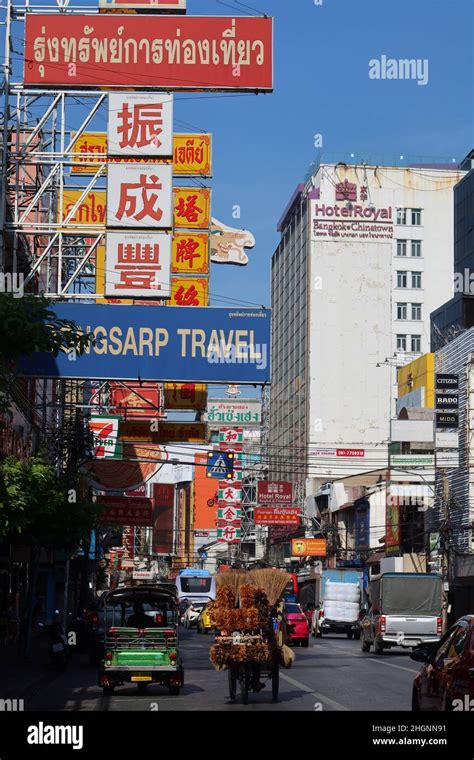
{"x":405,"y":611}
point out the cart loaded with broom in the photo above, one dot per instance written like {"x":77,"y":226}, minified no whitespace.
{"x":248,"y":615}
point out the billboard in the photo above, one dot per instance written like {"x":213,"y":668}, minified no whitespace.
{"x":191,"y":154}
{"x":122,"y":511}
{"x":139,"y":195}
{"x":166,"y":52}
{"x":163,"y":517}
{"x":308,"y":547}
{"x":138,"y":264}
{"x":276,"y":516}
{"x":168,"y":432}
{"x":140,"y":124}
{"x":234,"y":411}
{"x":277,"y":493}
{"x":217,"y":345}
{"x":138,"y":400}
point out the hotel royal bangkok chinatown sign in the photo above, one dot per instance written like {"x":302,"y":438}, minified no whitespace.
{"x":149,"y":52}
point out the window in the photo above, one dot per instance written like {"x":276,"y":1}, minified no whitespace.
{"x":416,"y":216}
{"x":416,"y":248}
{"x":401,"y":247}
{"x":401,"y":216}
{"x":401,"y":310}
{"x":416,"y":344}
{"x":457,"y":644}
{"x":416,"y":280}
{"x":401,"y":342}
{"x":416,"y":311}
{"x":401,"y":279}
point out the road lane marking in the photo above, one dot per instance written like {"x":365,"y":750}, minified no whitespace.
{"x":321,"y":697}
{"x":391,"y":665}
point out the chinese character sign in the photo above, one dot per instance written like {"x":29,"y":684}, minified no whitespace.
{"x":140,"y":124}
{"x":192,"y":208}
{"x":138,"y":264}
{"x":190,"y":253}
{"x":185,"y":396}
{"x":139,"y":195}
{"x":186,"y":291}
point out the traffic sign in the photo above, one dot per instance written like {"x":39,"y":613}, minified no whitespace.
{"x":220,"y":465}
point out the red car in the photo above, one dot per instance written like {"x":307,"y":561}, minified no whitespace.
{"x":298,"y":627}
{"x":446,"y":680}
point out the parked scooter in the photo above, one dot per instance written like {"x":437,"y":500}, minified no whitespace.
{"x":58,"y":646}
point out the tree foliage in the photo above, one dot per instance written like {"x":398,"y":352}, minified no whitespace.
{"x":38,"y":507}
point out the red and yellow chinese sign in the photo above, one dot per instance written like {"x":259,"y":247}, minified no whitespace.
{"x":190,"y":253}
{"x":192,"y":208}
{"x":189,"y":291}
{"x":191,"y":154}
{"x":185,"y":396}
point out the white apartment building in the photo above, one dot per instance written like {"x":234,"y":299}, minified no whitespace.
{"x":366,"y":253}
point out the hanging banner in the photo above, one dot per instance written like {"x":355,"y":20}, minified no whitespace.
{"x":166,"y":52}
{"x":192,"y":207}
{"x":139,"y":195}
{"x":191,"y":154}
{"x":185,"y":396}
{"x":190,"y":253}
{"x":189,"y":291}
{"x":140,"y":124}
{"x":163,"y":345}
{"x":138,"y":264}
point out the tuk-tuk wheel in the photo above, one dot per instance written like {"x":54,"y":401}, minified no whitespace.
{"x":174,"y":691}
{"x":108,"y":690}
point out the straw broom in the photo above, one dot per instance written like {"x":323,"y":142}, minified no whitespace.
{"x":272,"y":582}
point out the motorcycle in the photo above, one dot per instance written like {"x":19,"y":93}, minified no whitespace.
{"x":58,"y":647}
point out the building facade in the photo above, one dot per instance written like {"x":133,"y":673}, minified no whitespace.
{"x":365,"y":255}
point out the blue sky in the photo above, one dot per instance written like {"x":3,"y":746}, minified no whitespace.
{"x":263,"y":145}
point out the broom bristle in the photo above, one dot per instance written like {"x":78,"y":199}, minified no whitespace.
{"x":273,"y":582}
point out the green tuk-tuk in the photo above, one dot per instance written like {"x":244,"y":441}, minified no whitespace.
{"x":141,"y":638}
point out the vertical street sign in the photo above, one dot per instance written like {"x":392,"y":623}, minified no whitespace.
{"x":139,"y":195}
{"x":140,"y":124}
{"x":138,"y":264}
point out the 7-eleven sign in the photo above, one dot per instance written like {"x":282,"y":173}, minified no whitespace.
{"x":104,"y":429}
{"x":230,"y":495}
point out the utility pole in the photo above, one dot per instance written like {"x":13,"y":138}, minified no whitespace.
{"x":444,"y":536}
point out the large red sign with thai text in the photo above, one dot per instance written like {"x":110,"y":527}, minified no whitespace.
{"x":151,"y":52}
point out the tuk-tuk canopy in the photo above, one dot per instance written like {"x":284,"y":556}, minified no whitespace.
{"x":151,"y":594}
